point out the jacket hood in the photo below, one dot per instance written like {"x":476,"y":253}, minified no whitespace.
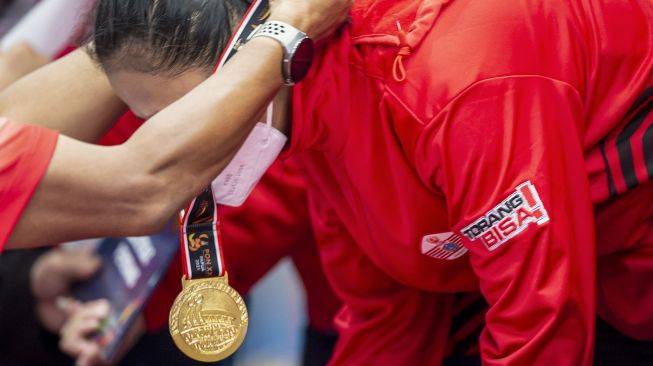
{"x":398,"y":23}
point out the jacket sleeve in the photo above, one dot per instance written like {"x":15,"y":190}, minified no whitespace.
{"x":507,"y":154}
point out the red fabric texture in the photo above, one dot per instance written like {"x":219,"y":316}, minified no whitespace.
{"x":486,"y":106}
{"x":121,"y":130}
{"x":65,"y":51}
{"x":25,"y":153}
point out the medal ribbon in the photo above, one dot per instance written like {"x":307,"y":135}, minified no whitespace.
{"x":200,"y":225}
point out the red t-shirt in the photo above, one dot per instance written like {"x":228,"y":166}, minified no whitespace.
{"x":427,"y":128}
{"x":25,"y":153}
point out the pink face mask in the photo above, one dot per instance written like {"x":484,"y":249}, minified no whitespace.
{"x":238,"y":179}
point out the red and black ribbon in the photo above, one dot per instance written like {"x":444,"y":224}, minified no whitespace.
{"x":200,"y":225}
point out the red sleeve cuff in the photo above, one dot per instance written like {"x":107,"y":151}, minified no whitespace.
{"x":25,"y":153}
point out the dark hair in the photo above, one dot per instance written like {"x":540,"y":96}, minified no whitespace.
{"x":163,"y":36}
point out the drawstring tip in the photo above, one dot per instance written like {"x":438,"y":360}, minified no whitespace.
{"x":398,"y":69}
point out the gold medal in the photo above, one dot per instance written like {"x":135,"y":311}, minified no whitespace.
{"x":208,"y":319}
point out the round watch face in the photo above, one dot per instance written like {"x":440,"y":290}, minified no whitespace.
{"x":301,"y":60}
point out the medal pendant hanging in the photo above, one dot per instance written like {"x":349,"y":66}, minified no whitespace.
{"x":208,"y":320}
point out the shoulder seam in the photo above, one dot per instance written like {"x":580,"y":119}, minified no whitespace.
{"x":505,"y":77}
{"x":473,"y":85}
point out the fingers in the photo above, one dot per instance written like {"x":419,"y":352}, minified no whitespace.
{"x":317,"y":18}
{"x":90,"y":358}
{"x":76,"y":334}
{"x":50,"y":316}
{"x":54,"y":272}
{"x":68,"y":305}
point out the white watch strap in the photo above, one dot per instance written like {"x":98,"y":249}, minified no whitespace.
{"x":284,"y":33}
{"x":288,"y":36}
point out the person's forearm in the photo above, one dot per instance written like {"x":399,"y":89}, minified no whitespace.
{"x":71,"y":95}
{"x":202,"y":131}
{"x":134,"y":188}
{"x":205,"y":128}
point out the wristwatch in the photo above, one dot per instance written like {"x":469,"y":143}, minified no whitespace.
{"x":297,"y":49}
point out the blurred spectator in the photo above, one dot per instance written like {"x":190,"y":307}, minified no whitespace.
{"x":32,"y":286}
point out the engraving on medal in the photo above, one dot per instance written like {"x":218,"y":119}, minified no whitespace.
{"x":208,"y":320}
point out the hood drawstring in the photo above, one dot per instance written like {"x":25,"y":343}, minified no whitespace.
{"x":398,"y":69}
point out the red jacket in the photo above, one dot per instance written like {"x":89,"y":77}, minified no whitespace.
{"x":501,"y":123}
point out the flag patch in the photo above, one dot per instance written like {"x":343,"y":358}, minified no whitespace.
{"x":447,"y":246}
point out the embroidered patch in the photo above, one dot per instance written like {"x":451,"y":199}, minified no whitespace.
{"x":447,"y":246}
{"x":509,"y":218}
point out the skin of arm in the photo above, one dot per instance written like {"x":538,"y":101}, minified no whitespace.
{"x":71,"y":95}
{"x":134,"y":188}
{"x":17,"y":62}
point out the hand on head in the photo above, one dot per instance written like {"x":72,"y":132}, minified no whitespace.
{"x":317,"y":18}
